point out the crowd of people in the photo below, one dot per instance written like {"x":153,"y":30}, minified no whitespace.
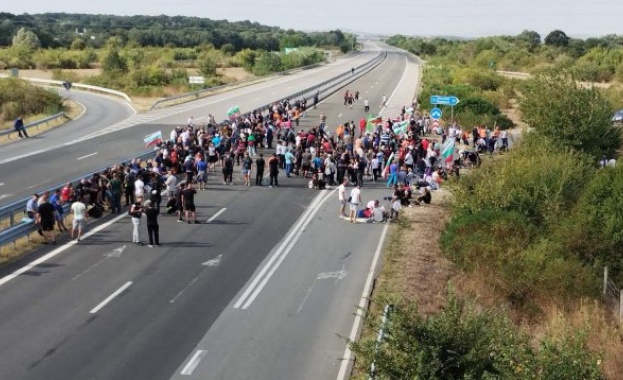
{"x":402,"y":152}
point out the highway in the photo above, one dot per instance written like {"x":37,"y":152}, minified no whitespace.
{"x":66,"y":153}
{"x":261,"y":291}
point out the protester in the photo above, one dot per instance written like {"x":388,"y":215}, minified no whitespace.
{"x":153,"y":230}
{"x":136,"y":211}
{"x":355,"y":201}
{"x":78,"y":209}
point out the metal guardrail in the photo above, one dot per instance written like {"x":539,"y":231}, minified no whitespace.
{"x":15,"y":210}
{"x":196,"y":94}
{"x":34,"y":124}
{"x":78,"y":86}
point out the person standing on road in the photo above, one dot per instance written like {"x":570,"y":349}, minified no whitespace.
{"x":188,"y":200}
{"x":202,"y":173}
{"x":341,"y":196}
{"x":355,"y":201}
{"x":247,"y":162}
{"x":46,"y":219}
{"x":273,"y":167}
{"x":228,"y":169}
{"x":366,"y":105}
{"x":153,"y":230}
{"x":260,"y":164}
{"x":19,"y":127}
{"x":289,"y":158}
{"x":115,"y":187}
{"x":171,"y":183}
{"x":136,"y":212}
{"x":78,"y":208}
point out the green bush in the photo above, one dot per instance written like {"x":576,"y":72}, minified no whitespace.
{"x":462,"y":342}
{"x":20,"y":98}
{"x":484,"y":79}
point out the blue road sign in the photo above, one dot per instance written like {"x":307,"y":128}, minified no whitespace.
{"x":444,"y":100}
{"x":435,"y":113}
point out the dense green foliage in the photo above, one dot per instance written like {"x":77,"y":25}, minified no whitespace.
{"x":480,"y":101}
{"x":593,"y":59}
{"x":558,"y":108}
{"x":463,"y":343}
{"x":17,"y":97}
{"x":56,"y":30}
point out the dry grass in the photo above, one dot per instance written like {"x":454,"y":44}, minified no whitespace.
{"x":72,"y":111}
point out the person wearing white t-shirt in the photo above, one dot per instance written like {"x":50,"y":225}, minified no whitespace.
{"x":355,"y":201}
{"x":139,"y":187}
{"x":341,"y":196}
{"x":79,"y":209}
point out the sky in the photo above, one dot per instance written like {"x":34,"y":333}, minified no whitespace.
{"x":460,"y":18}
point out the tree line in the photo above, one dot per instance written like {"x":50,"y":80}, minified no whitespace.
{"x":61,"y":30}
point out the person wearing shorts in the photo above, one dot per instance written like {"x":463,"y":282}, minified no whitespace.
{"x":79,"y":209}
{"x":188,"y":200}
{"x":247,"y":162}
{"x":355,"y":201}
{"x":202,"y":176}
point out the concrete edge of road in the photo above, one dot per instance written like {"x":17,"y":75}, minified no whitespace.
{"x":348,"y":360}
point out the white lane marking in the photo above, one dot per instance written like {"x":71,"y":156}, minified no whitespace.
{"x":298,"y":310}
{"x":1,"y":183}
{"x":114,"y":253}
{"x":38,"y":184}
{"x":111,"y":297}
{"x":192,"y":364}
{"x":256,"y":99}
{"x":57,"y":251}
{"x":5,"y":196}
{"x":130,"y":123}
{"x":84,"y":110}
{"x":214,"y":262}
{"x":88,"y":155}
{"x":340,"y":115}
{"x":339,"y":275}
{"x":217,"y":214}
{"x":361,"y":308}
{"x":404,"y":73}
{"x":280,"y":255}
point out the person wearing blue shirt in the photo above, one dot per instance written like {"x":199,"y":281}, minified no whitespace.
{"x":289,"y":158}
{"x":202,"y":176}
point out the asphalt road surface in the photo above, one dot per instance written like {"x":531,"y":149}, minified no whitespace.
{"x":258,"y":292}
{"x":68,"y":152}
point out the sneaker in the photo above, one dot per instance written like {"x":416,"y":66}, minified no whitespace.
{"x":180,"y":221}
{"x":157,"y":245}
{"x":270,"y":186}
{"x":139,"y":243}
{"x":196,"y":222}
{"x":150,"y":246}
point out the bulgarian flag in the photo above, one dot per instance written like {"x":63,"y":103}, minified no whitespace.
{"x":233,"y":112}
{"x":153,"y":139}
{"x":447,"y":151}
{"x":389,"y":162}
{"x":401,"y":127}
{"x":372,"y":122}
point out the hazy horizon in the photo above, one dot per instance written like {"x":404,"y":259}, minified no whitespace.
{"x":448,"y":18}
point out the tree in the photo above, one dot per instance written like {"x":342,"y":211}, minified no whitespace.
{"x":78,"y":44}
{"x":557,"y":38}
{"x":530,"y":39}
{"x":207,"y":65}
{"x":266,"y":62}
{"x":557,"y":107}
{"x":114,"y":62}
{"x":26,"y":38}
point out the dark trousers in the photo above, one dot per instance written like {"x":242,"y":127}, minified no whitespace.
{"x":21,"y":130}
{"x":273,"y":179}
{"x":116,"y":203}
{"x":376,"y":173}
{"x":154,"y":234}
{"x":258,"y":177}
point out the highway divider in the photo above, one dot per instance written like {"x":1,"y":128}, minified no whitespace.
{"x":14,"y":212}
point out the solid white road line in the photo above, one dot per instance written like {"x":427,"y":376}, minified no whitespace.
{"x":192,"y":364}
{"x":88,"y":155}
{"x":5,"y":196}
{"x":110,"y":297}
{"x":58,"y":250}
{"x":1,"y":183}
{"x":217,"y":214}
{"x":280,"y":255}
{"x":404,"y":73}
{"x":363,"y":302}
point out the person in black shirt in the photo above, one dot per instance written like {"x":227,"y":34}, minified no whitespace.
{"x":153,"y":230}
{"x":273,"y":167}
{"x":188,"y":200}
{"x":45,"y":217}
{"x":260,"y":164}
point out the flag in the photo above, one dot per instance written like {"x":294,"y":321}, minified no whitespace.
{"x":401,"y":127}
{"x":448,"y":150}
{"x":389,"y":162}
{"x":233,"y":112}
{"x":372,"y":122}
{"x":153,"y":139}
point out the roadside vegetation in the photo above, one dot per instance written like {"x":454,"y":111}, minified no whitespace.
{"x":154,"y":56}
{"x":20,"y":98}
{"x":527,"y":237}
